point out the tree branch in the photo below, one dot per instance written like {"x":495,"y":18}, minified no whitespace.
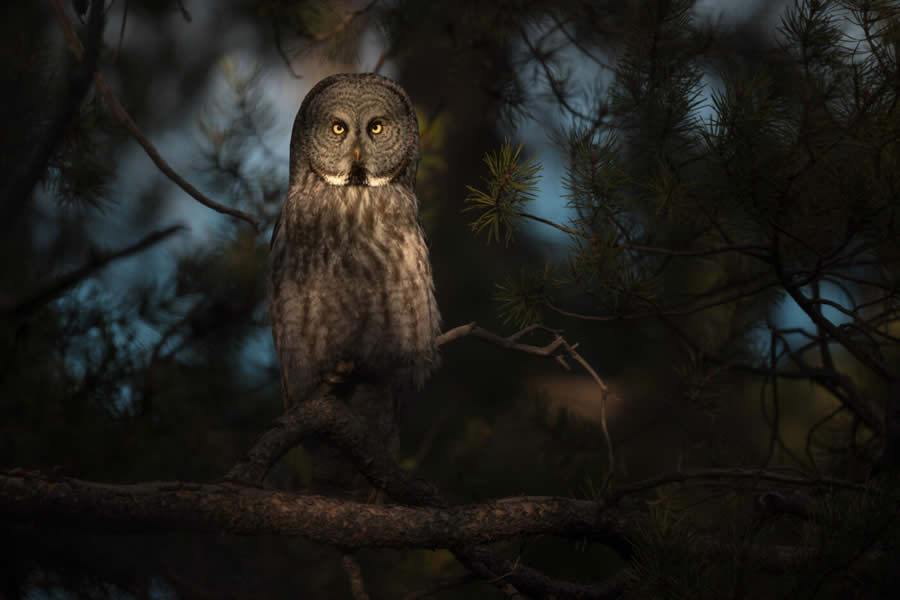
{"x":50,"y":289}
{"x":324,"y":414}
{"x":125,"y":119}
{"x":226,"y":508}
{"x":813,"y":311}
{"x":550,"y":350}
{"x":742,"y":248}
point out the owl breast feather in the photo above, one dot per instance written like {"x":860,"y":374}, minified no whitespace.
{"x":350,"y":279}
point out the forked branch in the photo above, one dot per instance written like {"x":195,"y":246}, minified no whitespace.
{"x":558,"y":348}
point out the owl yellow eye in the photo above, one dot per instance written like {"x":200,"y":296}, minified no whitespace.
{"x":376,"y":127}
{"x":338,"y":128}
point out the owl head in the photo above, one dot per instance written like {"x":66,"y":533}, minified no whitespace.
{"x":356,"y":130}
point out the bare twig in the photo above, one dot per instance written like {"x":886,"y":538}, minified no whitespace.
{"x":776,"y":406}
{"x":598,"y":61}
{"x":813,"y":311}
{"x":507,"y":343}
{"x":555,"y":87}
{"x":126,"y":120}
{"x":115,"y":55}
{"x":50,"y":289}
{"x":555,"y":349}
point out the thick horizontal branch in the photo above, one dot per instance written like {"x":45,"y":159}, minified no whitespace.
{"x":227,"y":508}
{"x":322,"y":413}
{"x":125,"y":119}
{"x":50,"y":289}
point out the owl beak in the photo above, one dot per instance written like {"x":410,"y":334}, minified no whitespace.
{"x":356,"y":154}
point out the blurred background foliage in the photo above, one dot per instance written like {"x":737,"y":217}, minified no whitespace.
{"x":663,"y":177}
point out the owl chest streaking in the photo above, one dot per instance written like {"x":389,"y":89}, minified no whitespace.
{"x":350,"y":279}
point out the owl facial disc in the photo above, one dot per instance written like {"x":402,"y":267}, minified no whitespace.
{"x":358,"y":130}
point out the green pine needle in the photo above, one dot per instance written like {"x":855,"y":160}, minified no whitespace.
{"x":511,"y":185}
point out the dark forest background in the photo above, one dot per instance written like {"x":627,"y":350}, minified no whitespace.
{"x":705,"y":203}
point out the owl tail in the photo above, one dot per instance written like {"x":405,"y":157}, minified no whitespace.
{"x":332,"y":473}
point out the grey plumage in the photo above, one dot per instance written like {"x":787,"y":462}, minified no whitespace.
{"x":350,"y":279}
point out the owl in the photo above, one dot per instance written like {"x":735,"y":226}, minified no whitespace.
{"x":350,"y":280}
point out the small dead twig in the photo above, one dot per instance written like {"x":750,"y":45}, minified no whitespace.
{"x":53,"y":287}
{"x":558,"y":349}
{"x":115,"y":55}
{"x":125,"y":119}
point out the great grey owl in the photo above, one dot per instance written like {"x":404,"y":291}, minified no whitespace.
{"x":349,"y":274}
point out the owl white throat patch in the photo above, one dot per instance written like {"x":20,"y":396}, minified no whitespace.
{"x":344,"y":180}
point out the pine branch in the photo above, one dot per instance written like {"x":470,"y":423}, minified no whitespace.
{"x":511,"y":185}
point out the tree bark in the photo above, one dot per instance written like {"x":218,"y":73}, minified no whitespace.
{"x":227,"y":508}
